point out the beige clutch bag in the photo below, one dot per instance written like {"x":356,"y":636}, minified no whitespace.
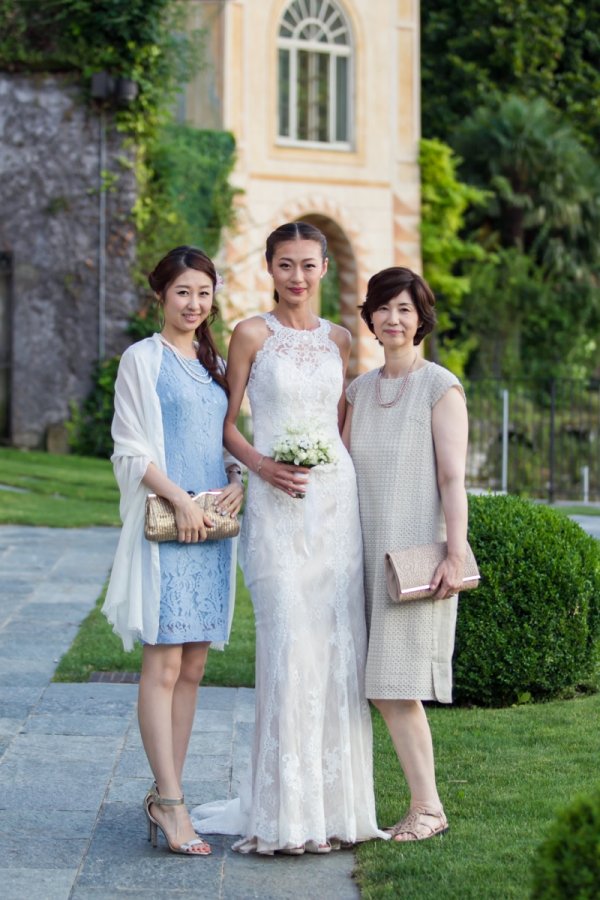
{"x":159,"y":519}
{"x":409,"y":572}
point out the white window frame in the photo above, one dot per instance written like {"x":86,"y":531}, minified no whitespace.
{"x":306,"y":13}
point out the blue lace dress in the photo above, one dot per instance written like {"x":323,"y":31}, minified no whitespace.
{"x":194,"y":589}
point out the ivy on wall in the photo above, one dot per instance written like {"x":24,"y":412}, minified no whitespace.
{"x":184,"y":196}
{"x":182,"y":172}
{"x":188,"y":200}
{"x":191,"y":198}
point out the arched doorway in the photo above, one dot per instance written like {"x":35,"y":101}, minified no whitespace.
{"x":343,"y":289}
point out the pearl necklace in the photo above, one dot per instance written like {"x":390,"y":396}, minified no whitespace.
{"x":399,"y":392}
{"x":202,"y":376}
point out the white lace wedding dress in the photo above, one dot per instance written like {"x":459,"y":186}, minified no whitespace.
{"x":311,"y":777}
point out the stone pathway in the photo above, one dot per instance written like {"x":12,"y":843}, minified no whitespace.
{"x":72,"y":769}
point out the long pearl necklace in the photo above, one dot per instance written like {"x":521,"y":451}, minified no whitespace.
{"x":202,"y":376}
{"x":401,"y":389}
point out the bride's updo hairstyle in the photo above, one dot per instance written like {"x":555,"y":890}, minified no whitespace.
{"x":387,"y":284}
{"x":164,"y":274}
{"x":294,"y":231}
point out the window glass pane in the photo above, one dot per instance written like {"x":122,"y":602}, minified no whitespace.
{"x":322,"y":97}
{"x":302,"y":95}
{"x":284,"y":93}
{"x":321,"y":91}
{"x":341,"y":92}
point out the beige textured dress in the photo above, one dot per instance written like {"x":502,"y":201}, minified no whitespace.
{"x":410,"y":644}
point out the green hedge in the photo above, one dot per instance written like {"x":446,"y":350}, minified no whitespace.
{"x":567,"y":863}
{"x":531,"y":630}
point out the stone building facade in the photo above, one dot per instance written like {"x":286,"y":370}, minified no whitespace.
{"x":323,"y":99}
{"x":66,"y":252}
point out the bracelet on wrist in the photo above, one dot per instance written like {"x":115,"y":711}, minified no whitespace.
{"x":260,"y":464}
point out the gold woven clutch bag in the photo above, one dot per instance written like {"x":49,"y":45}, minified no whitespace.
{"x":160,"y":525}
{"x":408,"y":573}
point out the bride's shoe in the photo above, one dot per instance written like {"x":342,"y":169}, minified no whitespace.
{"x":292,"y":851}
{"x":186,"y":849}
{"x":308,"y":847}
{"x":313,"y":847}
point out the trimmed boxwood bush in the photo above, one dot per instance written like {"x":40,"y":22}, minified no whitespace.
{"x":530,"y":630}
{"x":567,"y":862}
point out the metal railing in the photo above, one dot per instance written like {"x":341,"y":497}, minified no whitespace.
{"x":538,"y":438}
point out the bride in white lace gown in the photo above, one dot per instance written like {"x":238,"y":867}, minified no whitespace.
{"x":311,"y":784}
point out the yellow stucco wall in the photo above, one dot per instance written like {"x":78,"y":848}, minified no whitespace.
{"x":366,"y":198}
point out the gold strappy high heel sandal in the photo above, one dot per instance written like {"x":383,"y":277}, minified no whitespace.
{"x":187,"y":849}
{"x":148,"y":799}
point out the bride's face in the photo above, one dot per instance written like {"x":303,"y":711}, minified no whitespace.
{"x":297,"y":268}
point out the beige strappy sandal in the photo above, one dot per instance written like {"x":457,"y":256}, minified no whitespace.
{"x":186,"y":849}
{"x":415,"y":827}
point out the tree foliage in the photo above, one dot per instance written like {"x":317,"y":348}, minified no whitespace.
{"x":142,"y":40}
{"x":514,"y":87}
{"x":535,"y":300}
{"x":444,"y":203}
{"x":478,"y":48}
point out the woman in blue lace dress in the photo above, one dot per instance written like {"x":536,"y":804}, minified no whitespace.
{"x":170,"y":404}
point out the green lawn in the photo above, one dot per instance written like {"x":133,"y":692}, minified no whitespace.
{"x":97,"y":649}
{"x":58,"y":491}
{"x":502,"y":772}
{"x":581,"y":509}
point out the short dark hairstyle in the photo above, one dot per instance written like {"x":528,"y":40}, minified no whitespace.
{"x":387,"y":284}
{"x":294,"y":231}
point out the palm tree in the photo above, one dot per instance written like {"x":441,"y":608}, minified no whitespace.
{"x":541,"y":219}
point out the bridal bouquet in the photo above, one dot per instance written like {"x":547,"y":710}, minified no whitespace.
{"x":303,"y":446}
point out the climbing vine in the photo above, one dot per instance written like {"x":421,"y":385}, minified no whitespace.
{"x":182,"y":173}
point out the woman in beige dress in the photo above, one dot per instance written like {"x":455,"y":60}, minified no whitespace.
{"x":406,"y":429}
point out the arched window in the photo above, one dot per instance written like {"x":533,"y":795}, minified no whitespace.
{"x":315,"y":74}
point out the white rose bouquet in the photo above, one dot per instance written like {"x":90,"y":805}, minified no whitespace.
{"x":303,"y":446}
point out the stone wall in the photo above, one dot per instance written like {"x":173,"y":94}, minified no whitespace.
{"x":49,"y":230}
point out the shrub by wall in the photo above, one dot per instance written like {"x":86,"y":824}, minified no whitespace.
{"x":89,"y":427}
{"x":530,"y":631}
{"x":567,"y":863}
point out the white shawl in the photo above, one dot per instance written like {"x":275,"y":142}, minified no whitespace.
{"x":132,"y":603}
{"x":138,"y":435}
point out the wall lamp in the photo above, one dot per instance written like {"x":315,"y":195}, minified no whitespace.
{"x":122,"y":91}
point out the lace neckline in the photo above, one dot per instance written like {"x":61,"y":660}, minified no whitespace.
{"x":275,"y":325}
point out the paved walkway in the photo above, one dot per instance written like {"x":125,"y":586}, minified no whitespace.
{"x":591,"y":524}
{"x":72,"y":769}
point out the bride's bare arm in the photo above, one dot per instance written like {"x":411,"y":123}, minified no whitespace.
{"x":246,"y":340}
{"x":343,"y":339}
